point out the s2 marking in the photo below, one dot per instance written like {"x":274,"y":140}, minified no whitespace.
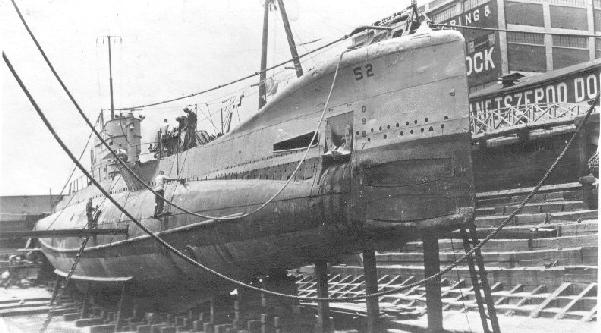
{"x":359,"y":70}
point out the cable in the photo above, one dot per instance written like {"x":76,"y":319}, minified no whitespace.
{"x":133,"y":173}
{"x":67,"y":279}
{"x":460,"y":289}
{"x":186,"y":258}
{"x":233,"y":81}
{"x":240,"y":283}
{"x":71,"y":175}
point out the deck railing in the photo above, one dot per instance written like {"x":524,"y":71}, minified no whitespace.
{"x":498,"y":121}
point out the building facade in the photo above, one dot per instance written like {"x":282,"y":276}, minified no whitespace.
{"x":525,"y":36}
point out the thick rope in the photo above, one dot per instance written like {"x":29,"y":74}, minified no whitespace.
{"x":133,"y":173}
{"x":67,"y":279}
{"x":188,"y":259}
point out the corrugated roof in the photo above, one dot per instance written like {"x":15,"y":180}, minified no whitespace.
{"x":534,"y":80}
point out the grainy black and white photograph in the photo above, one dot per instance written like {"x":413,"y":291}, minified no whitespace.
{"x":292,"y":166}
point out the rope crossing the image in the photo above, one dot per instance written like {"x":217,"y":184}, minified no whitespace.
{"x":190,"y":260}
{"x":132,"y":172}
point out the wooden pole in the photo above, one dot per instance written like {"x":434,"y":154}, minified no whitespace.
{"x":263,"y":75}
{"x":290,"y":37}
{"x":371,"y":287}
{"x":433,"y":295}
{"x":121,"y":305}
{"x":111,"y":78}
{"x":323,"y":307}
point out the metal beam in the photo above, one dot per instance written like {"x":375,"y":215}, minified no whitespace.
{"x":57,"y":233}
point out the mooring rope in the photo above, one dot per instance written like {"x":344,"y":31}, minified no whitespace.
{"x":188,"y":259}
{"x":67,"y":279}
{"x":133,"y":173}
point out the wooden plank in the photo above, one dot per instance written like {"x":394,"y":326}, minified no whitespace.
{"x":526,"y":298}
{"x":116,"y":279}
{"x":536,"y":312}
{"x":590,"y":314}
{"x":567,"y":308}
{"x":513,"y":290}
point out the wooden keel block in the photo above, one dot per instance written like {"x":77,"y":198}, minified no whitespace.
{"x":323,"y":307}
{"x":433,"y":292}
{"x":371,"y":287}
{"x":102,"y":329}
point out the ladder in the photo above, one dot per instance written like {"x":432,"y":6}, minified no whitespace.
{"x":490,"y":322}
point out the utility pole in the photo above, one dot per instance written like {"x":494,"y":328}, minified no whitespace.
{"x":263,"y":75}
{"x":291,"y":44}
{"x":109,"y":37}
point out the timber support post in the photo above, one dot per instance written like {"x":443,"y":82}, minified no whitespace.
{"x":323,"y":307}
{"x":212,"y":309}
{"x":85,"y":304}
{"x":433,"y":294}
{"x":371,"y":287}
{"x":125,"y":308}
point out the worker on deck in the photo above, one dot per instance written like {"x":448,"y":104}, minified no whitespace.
{"x":190,"y":138}
{"x":159,"y":188}
{"x":164,"y":137}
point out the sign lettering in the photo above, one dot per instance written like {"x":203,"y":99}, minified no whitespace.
{"x":573,"y":89}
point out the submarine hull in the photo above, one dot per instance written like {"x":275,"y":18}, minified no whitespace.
{"x":392,"y":161}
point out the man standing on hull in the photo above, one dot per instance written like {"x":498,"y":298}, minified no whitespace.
{"x":190,"y":138}
{"x":159,"y":188}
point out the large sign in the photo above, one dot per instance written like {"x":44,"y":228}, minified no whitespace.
{"x":483,"y":55}
{"x":572,"y":88}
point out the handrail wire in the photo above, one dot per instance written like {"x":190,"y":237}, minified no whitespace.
{"x":188,"y":259}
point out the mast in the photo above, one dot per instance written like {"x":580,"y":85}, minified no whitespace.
{"x":111,"y":78}
{"x":263,"y":75}
{"x":291,"y":44}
